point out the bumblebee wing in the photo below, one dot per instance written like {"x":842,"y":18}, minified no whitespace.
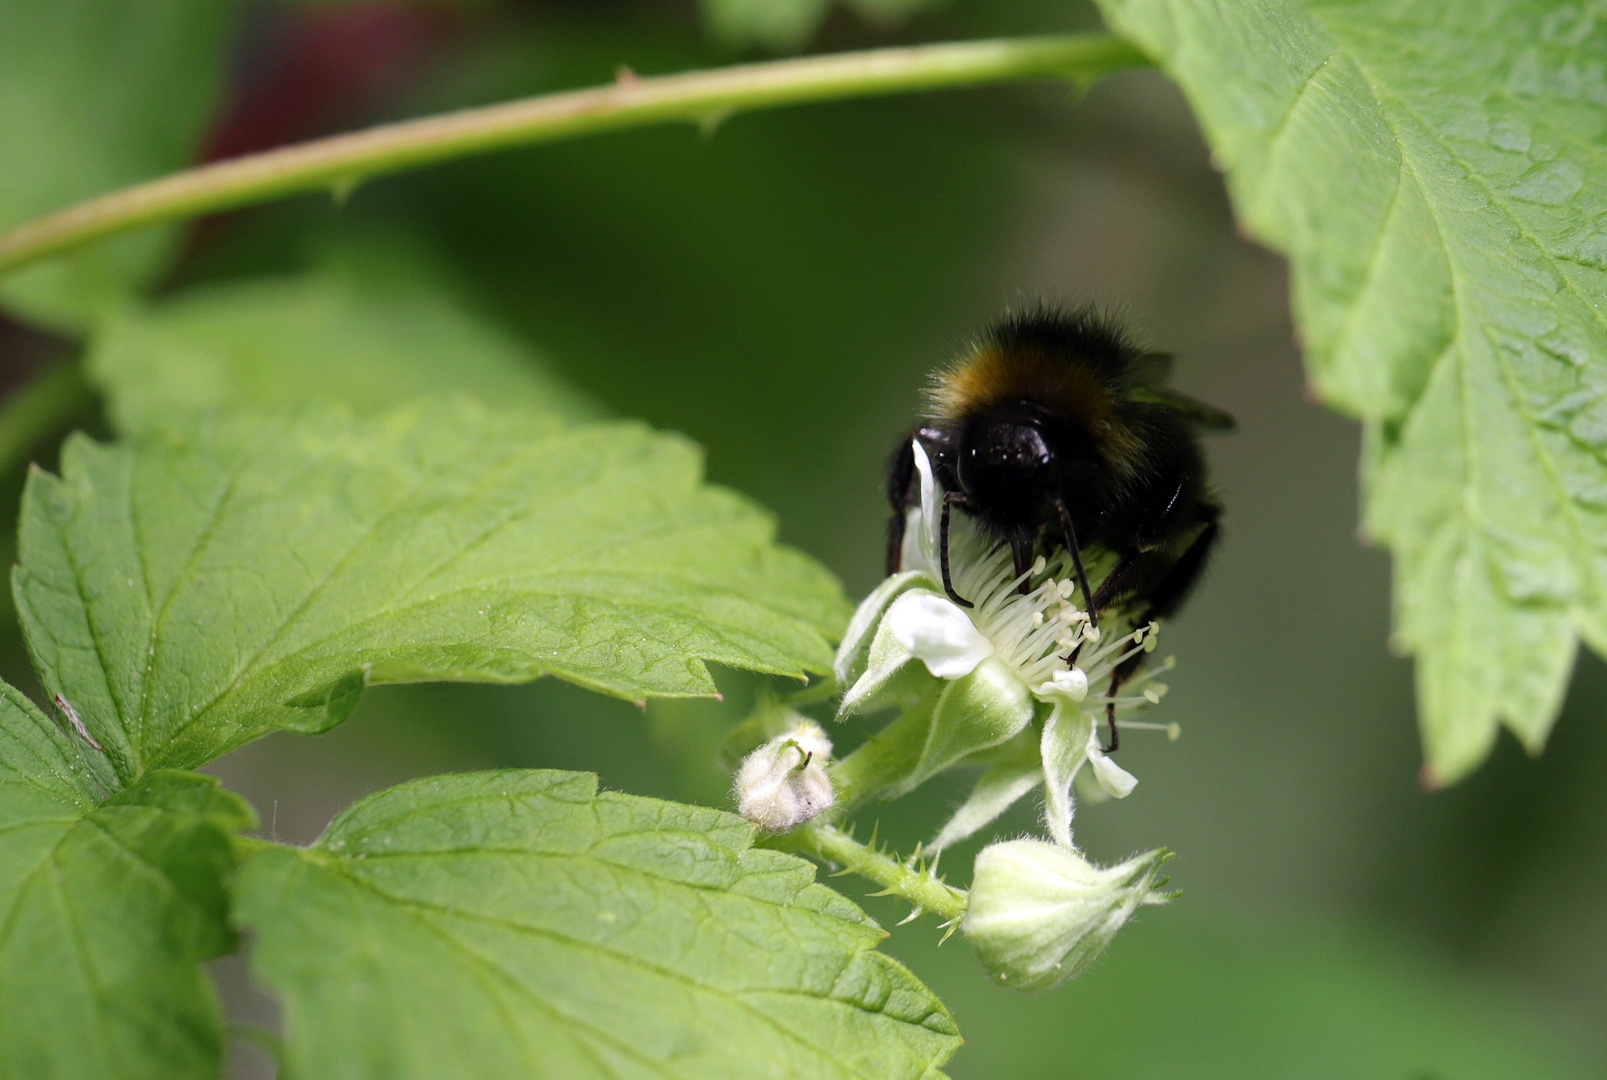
{"x":1150,"y":369}
{"x":1147,"y":383}
{"x":1206,"y":417}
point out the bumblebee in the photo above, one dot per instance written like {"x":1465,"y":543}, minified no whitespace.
{"x":1055,"y":428}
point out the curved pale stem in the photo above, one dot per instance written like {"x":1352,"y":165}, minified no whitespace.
{"x":342,"y":161}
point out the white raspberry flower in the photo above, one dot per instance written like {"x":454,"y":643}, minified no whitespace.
{"x":1040,"y":640}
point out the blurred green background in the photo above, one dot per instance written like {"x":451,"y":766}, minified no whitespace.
{"x":777,"y":289}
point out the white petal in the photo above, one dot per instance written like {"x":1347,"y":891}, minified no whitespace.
{"x":856,"y":642}
{"x":929,"y":507}
{"x":1087,"y":790}
{"x":917,"y":553}
{"x":1073,"y":684}
{"x":1111,"y":776}
{"x":939,"y":633}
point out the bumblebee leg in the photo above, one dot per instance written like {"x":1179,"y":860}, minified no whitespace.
{"x":1070,"y":534}
{"x":949,"y":499}
{"x":900,"y":478}
{"x":895,"y":543}
{"x":1117,"y":580}
{"x":1123,"y":672}
{"x":1110,"y":712}
{"x":1154,"y":571}
{"x":1170,"y":592}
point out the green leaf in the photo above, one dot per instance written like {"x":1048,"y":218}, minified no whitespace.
{"x":517,"y":924}
{"x":106,"y":910}
{"x":370,"y":329}
{"x":96,"y":94}
{"x":186,"y":598}
{"x":1437,"y":173}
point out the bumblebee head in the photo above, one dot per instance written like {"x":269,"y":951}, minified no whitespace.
{"x":1007,"y":458}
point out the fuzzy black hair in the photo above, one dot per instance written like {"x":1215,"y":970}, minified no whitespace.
{"x":1084,"y":332}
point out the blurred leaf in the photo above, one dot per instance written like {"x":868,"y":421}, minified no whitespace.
{"x":518,"y":924}
{"x":449,"y":5}
{"x":890,"y":12}
{"x":371,"y":329}
{"x":1437,"y":173}
{"x":777,"y":25}
{"x":787,"y":25}
{"x":186,"y":598}
{"x":105,"y":911}
{"x":96,"y":94}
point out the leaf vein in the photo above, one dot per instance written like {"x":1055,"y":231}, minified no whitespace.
{"x":671,"y":974}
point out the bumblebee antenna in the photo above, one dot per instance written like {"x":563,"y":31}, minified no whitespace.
{"x":1076,"y":561}
{"x":949,"y":499}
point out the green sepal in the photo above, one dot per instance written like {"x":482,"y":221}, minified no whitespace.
{"x":983,"y":710}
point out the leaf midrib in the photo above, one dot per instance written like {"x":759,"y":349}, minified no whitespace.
{"x":1467,"y":313}
{"x":159,"y":616}
{"x":719,"y":629}
{"x":1386,"y":101}
{"x":388,"y":608}
{"x":130,"y":747}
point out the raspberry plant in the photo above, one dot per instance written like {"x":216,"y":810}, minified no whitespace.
{"x":299,"y":500}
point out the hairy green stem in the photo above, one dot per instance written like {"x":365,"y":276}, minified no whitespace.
{"x":341,"y":162}
{"x":918,"y":886}
{"x":40,"y":408}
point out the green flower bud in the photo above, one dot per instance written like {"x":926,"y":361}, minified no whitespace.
{"x":1039,"y":913}
{"x":783,"y":783}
